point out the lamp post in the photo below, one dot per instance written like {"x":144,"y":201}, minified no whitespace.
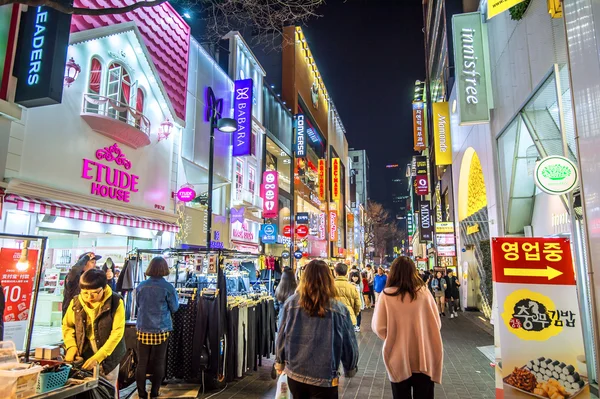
{"x":226,"y":125}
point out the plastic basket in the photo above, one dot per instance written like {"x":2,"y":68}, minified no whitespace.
{"x":53,"y":380}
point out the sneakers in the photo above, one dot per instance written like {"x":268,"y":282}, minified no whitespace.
{"x":443,"y":314}
{"x":451,"y":315}
{"x":356,"y":329}
{"x":455,"y":314}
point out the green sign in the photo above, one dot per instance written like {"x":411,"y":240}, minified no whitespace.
{"x":556,"y":175}
{"x":5,"y":14}
{"x":472,"y":69}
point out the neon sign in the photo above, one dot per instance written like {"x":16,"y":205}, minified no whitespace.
{"x":270,"y":194}
{"x":300,"y":136}
{"x":242,"y":108}
{"x":110,"y":182}
{"x":333,"y":233}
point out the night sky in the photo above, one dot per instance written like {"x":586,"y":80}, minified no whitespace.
{"x":370,"y":52}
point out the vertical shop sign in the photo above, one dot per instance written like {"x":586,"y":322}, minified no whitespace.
{"x":43,"y":42}
{"x":539,"y":320}
{"x":300,"y":136}
{"x":353,"y":173}
{"x":441,"y":130}
{"x":472,"y":73}
{"x":9,"y":14}
{"x":242,"y":109}
{"x":422,"y":177}
{"x":335,"y":179}
{"x":410,"y":224}
{"x":419,"y":126}
{"x":333,"y":232}
{"x":322,"y":223}
{"x":17,"y":286}
{"x":350,"y":233}
{"x":322,"y":180}
{"x":425,"y":220}
{"x":270,"y":194}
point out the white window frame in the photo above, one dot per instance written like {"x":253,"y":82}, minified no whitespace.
{"x":252,"y":179}
{"x":239,"y":178}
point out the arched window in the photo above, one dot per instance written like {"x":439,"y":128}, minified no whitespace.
{"x":119,"y":91}
{"x":95,"y":76}
{"x":139,"y":106}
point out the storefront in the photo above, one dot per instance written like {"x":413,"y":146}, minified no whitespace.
{"x":95,"y":173}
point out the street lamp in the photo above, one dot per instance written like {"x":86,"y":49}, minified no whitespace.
{"x":214,"y":109}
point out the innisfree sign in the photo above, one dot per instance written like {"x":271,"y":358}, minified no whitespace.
{"x":556,"y":175}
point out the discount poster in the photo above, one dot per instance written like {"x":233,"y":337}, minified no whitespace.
{"x":17,"y":286}
{"x":541,"y":341}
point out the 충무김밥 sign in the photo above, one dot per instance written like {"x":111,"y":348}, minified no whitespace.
{"x":539,"y":318}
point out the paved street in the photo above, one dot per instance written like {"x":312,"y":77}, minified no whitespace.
{"x":467,"y":371}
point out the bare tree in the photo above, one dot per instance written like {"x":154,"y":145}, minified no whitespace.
{"x":379,"y":230}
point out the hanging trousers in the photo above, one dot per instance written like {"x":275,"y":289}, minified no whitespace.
{"x":232,"y":343}
{"x":208,"y":332}
{"x":420,"y":384}
{"x":252,"y":333}
{"x":241,"y":341}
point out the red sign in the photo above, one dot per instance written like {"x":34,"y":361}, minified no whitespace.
{"x":335,"y":179}
{"x":322,"y":183}
{"x":422,"y":185}
{"x":17,"y":283}
{"x":302,"y":231}
{"x":287,"y":231}
{"x":270,"y":194}
{"x":532,"y":260}
{"x":333,"y":233}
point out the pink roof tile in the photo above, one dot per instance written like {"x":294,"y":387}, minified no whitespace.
{"x":165,"y":33}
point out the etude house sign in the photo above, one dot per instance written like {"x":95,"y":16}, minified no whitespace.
{"x":472,"y":74}
{"x":110,"y":181}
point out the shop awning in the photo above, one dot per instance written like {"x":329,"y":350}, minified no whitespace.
{"x":53,"y":208}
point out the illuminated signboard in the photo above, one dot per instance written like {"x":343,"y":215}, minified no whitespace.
{"x":422,"y":177}
{"x":300,"y":136}
{"x":425,"y":220}
{"x":442,"y":137}
{"x":322,"y":179}
{"x":419,"y":126}
{"x":242,"y":110}
{"x":270,"y":194}
{"x":333,"y":232}
{"x":335,"y":179}
{"x":42,"y":46}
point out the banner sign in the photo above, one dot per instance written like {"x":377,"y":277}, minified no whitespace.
{"x":270,"y":194}
{"x":350,"y":234}
{"x":446,"y":250}
{"x":470,"y":54}
{"x":419,"y":124}
{"x":353,"y":173}
{"x":268,"y":233}
{"x":322,"y":226}
{"x":539,"y":321}
{"x":444,"y":239}
{"x":302,"y":218}
{"x":425,"y":221}
{"x":422,"y":177}
{"x":242,"y":109}
{"x":43,"y":43}
{"x":322,"y":179}
{"x":300,"y":136}
{"x":335,"y":179}
{"x":496,"y":7}
{"x":441,"y":133}
{"x":18,"y":287}
{"x":444,"y":227}
{"x":8,"y":31}
{"x":410,"y":223}
{"x":333,"y":233}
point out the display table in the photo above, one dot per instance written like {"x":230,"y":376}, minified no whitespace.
{"x":67,"y":392}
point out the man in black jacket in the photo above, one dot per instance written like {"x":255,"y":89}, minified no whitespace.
{"x":452,"y":293}
{"x":86,"y":262}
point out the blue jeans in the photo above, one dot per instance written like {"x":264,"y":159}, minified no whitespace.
{"x":358,"y":319}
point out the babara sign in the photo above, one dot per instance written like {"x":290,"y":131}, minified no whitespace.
{"x":335,"y":179}
{"x":322,"y":176}
{"x":17,"y":286}
{"x":107,"y":181}
{"x":441,"y":130}
{"x":270,"y":194}
{"x":540,"y":326}
{"x":300,"y":136}
{"x":419,"y":124}
{"x":472,"y":69}
{"x":333,"y":231}
{"x":242,"y":108}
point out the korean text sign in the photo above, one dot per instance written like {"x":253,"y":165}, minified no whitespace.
{"x":419,"y":126}
{"x":270,"y":194}
{"x":242,"y":108}
{"x":322,"y":179}
{"x":335,"y":179}
{"x":538,"y":312}
{"x":18,"y":287}
{"x":422,"y":177}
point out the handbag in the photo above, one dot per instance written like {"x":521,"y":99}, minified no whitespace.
{"x":128,"y":368}
{"x":283,"y":389}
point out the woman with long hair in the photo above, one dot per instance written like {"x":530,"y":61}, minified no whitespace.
{"x":315,"y":336}
{"x":407,"y":319}
{"x":286,"y":288}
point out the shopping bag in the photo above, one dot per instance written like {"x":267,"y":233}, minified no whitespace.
{"x":128,"y":368}
{"x":283,"y":389}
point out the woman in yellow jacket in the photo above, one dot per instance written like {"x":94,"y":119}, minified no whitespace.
{"x":94,"y":325}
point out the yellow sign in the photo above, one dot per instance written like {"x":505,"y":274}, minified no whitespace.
{"x":548,"y":272}
{"x":441,"y":132}
{"x":555,"y":8}
{"x":473,"y":229}
{"x":335,"y":179}
{"x":444,"y":227}
{"x":496,"y":7}
{"x":517,"y":307}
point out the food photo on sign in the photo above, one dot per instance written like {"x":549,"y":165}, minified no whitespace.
{"x":541,"y":340}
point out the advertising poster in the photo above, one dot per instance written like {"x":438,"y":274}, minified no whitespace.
{"x":18,"y":287}
{"x":541,"y":342}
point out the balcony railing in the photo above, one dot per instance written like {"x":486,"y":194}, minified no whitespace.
{"x":248,"y":199}
{"x":116,"y":120}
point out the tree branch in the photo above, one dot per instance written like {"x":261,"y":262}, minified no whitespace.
{"x":66,"y":9}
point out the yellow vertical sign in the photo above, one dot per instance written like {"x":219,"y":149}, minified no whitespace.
{"x":496,"y":7}
{"x":441,"y":133}
{"x":335,"y":179}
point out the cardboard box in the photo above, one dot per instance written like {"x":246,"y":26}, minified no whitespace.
{"x":47,"y":352}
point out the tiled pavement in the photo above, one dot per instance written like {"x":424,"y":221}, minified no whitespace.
{"x":467,"y":372}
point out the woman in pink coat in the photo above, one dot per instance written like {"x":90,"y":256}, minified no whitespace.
{"x":407,"y":319}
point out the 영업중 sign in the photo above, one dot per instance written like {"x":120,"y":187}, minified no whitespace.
{"x":539,"y":317}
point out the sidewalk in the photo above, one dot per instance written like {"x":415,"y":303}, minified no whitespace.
{"x":467,"y":372}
